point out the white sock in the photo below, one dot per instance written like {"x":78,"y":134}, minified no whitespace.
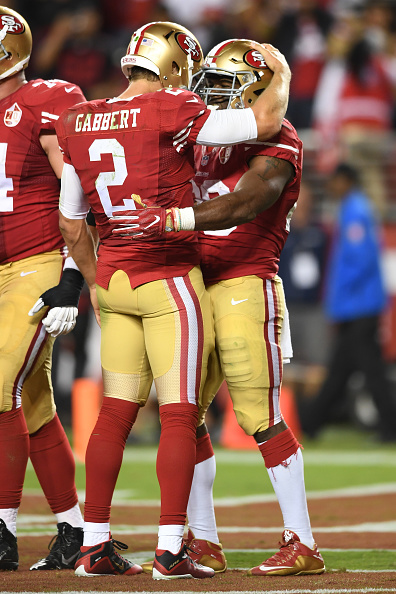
{"x":9,"y":516}
{"x":170,"y":537}
{"x":200,"y":509}
{"x":288,"y":482}
{"x":72,"y":516}
{"x":95,"y":533}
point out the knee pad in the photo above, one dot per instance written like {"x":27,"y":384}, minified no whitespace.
{"x":235,"y":359}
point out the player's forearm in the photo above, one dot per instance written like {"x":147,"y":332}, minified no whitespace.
{"x":256,"y":191}
{"x":271,"y":105}
{"x":223,"y":212}
{"x":81,"y":247}
{"x":270,"y":108}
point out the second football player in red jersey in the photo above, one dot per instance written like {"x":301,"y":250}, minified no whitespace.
{"x":32,"y":256}
{"x":246,"y":195}
{"x":134,"y":152}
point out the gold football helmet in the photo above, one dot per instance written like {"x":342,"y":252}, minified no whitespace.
{"x":167,"y":49}
{"x":245,"y":68}
{"x":15,"y":42}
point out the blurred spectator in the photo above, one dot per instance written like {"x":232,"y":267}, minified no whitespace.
{"x":129,"y":15}
{"x":254,"y":19}
{"x":73,"y":46}
{"x":205,"y":18}
{"x":380,"y":19}
{"x":353,"y":109}
{"x":354,"y":300}
{"x":301,"y":36}
{"x":301,"y":268}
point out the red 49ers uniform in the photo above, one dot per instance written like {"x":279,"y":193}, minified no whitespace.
{"x":131,"y":154}
{"x":240,"y":267}
{"x":29,"y":189}
{"x":31,"y":246}
{"x":141,"y":147}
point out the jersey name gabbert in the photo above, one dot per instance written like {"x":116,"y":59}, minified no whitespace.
{"x":114,"y":120}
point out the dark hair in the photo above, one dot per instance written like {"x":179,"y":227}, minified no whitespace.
{"x":358,"y":60}
{"x":139,"y":73}
{"x":347,"y":171}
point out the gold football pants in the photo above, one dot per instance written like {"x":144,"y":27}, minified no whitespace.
{"x":248,"y":316}
{"x":25,"y":346}
{"x":162,"y":330}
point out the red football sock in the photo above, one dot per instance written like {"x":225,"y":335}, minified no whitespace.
{"x":277,"y":449}
{"x":204,"y":449}
{"x":176,"y":460}
{"x":104,"y":456}
{"x":53,"y":461}
{"x":14,"y":455}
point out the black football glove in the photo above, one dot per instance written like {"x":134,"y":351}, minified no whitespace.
{"x":63,"y":303}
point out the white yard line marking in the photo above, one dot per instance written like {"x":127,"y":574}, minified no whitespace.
{"x":41,"y":528}
{"x":253,"y":458}
{"x":311,"y":591}
{"x":124,"y":497}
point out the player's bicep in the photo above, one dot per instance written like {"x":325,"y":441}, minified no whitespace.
{"x":265,"y":180}
{"x":228,"y":126}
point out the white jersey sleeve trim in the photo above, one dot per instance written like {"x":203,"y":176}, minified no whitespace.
{"x":73,"y":203}
{"x":228,"y":126}
{"x":288,"y":147}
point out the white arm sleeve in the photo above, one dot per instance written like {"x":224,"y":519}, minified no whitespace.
{"x":70,"y":263}
{"x":73,"y":203}
{"x":228,"y":126}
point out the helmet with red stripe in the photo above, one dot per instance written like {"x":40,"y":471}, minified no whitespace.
{"x":242,"y":67}
{"x":15,"y":42}
{"x":167,"y":49}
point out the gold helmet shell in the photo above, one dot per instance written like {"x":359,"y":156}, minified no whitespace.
{"x":246,"y":67}
{"x":167,"y":49}
{"x":15,"y":42}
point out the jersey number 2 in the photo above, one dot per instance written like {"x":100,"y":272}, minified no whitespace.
{"x":111,"y":146}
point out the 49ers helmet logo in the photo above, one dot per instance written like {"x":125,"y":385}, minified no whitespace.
{"x":189,"y":46}
{"x":254,"y":59}
{"x":14,"y":25}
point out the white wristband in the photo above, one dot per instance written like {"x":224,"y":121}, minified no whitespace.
{"x":70,"y":263}
{"x":187,"y":219}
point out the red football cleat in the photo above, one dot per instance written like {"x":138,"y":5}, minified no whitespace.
{"x":102,"y":559}
{"x":206,"y":553}
{"x":294,"y":558}
{"x":167,"y":566}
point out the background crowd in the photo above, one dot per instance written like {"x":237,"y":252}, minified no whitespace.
{"x":342,"y":55}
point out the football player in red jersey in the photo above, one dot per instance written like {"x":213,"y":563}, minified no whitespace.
{"x":245,"y":198}
{"x":32,"y":255}
{"x":136,"y":151}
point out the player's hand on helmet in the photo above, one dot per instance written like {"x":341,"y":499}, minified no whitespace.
{"x":274,"y":59}
{"x":139,"y":224}
{"x":63,"y":303}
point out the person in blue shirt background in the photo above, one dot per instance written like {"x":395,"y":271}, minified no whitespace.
{"x":354,"y":300}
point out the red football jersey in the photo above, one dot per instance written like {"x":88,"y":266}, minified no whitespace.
{"x":29,"y":188}
{"x":132,"y":153}
{"x":254,"y":247}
